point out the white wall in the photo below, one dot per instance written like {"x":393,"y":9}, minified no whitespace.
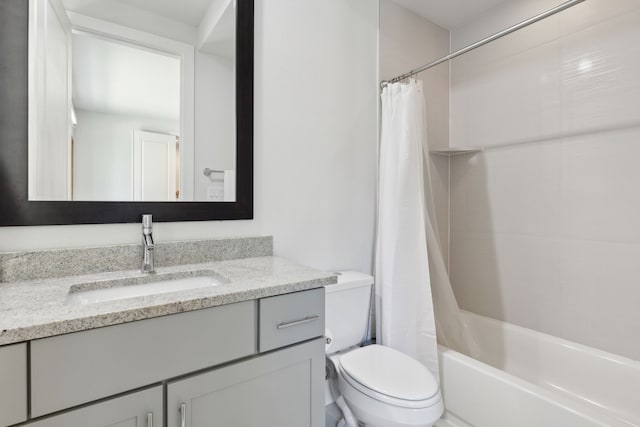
{"x":407,"y":41}
{"x":215,"y":131}
{"x":545,"y":225}
{"x":316,"y":129}
{"x":103,"y":153}
{"x":497,"y":18}
{"x":316,"y":92}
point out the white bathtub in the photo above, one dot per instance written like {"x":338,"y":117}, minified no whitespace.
{"x":523,"y":378}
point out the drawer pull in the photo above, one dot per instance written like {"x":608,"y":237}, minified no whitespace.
{"x":307,"y":319}
{"x":150,"y":419}
{"x":183,"y":415}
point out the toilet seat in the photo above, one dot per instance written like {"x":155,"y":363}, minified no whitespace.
{"x":389,"y":376}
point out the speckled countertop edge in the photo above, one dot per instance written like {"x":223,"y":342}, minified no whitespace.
{"x":39,"y":309}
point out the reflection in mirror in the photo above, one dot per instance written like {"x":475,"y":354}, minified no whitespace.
{"x":132,"y":100}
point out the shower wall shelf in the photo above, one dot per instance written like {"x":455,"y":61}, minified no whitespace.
{"x":456,"y":151}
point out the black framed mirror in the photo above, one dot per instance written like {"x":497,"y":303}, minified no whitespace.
{"x":17,"y":95}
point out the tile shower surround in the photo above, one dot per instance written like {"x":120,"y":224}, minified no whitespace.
{"x":545,"y":223}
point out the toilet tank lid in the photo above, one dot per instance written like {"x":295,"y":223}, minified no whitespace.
{"x":350,"y":279}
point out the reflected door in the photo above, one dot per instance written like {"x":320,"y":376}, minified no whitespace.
{"x":155,"y":166}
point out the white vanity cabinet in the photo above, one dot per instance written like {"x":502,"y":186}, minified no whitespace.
{"x":248,"y":364}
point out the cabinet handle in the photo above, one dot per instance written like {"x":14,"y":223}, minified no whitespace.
{"x":150,"y":419}
{"x":297,"y":322}
{"x":183,"y":415}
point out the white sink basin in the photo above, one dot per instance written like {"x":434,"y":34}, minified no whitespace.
{"x":146,"y":289}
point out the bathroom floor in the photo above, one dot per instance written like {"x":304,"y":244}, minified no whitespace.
{"x":450,"y":421}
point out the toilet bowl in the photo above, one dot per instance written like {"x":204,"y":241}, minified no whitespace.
{"x":381,"y":386}
{"x":386,"y":388}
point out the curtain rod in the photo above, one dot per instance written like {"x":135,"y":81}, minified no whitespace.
{"x":496,"y":36}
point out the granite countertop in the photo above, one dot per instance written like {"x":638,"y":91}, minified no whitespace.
{"x":40,"y":308}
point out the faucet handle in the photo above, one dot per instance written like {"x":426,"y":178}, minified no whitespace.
{"x":147,"y":221}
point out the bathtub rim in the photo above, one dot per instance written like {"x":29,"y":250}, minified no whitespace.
{"x":583,"y":348}
{"x":596,"y":416}
{"x":599,"y":415}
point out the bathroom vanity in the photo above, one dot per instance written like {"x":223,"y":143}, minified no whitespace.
{"x":245,"y":351}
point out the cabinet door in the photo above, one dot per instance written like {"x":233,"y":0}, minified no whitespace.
{"x":141,"y":409}
{"x":284,"y":388}
{"x":13,"y":384}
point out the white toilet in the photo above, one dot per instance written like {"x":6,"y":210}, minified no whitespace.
{"x":382,"y":386}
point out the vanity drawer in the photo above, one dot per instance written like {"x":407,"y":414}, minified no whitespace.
{"x":71,"y":369}
{"x":291,"y":318}
{"x":13,"y":384}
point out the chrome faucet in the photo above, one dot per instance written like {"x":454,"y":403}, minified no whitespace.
{"x":147,"y":244}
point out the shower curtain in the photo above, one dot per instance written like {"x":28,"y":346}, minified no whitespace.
{"x":413,"y":292}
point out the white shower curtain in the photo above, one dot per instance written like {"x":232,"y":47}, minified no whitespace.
{"x":404,"y":310}
{"x":413,"y":290}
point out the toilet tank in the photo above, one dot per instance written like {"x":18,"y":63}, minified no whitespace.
{"x":347,"y":305}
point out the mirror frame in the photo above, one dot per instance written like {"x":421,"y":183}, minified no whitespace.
{"x":15,"y":206}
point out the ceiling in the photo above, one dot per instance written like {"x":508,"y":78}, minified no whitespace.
{"x":113,"y":77}
{"x":448,"y":14}
{"x":188,"y":12}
